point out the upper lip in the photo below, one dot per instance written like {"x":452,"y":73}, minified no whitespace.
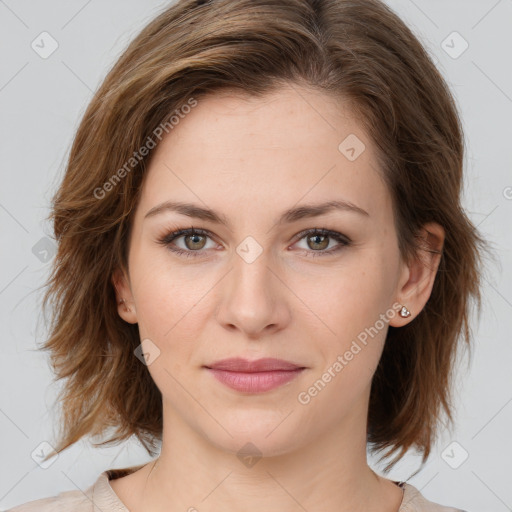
{"x":267,"y":364}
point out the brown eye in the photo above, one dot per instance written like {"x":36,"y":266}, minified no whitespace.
{"x":319,"y":242}
{"x":196,"y":241}
{"x":187,"y":242}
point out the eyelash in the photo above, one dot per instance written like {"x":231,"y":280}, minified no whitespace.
{"x":170,"y":237}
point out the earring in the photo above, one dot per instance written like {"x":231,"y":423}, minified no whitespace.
{"x":404,"y":312}
{"x":123,"y":301}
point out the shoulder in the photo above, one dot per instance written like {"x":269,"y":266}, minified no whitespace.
{"x":76,"y":501}
{"x":99,"y":497}
{"x":414,"y":501}
{"x":66,"y":501}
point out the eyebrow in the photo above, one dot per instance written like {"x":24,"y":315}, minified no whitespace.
{"x":289,"y":216}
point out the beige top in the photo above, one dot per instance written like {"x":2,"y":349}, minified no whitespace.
{"x":100,"y":497}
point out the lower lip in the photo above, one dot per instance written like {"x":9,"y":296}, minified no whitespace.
{"x":255,"y":382}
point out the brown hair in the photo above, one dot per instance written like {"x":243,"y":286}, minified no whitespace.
{"x":357,"y":50}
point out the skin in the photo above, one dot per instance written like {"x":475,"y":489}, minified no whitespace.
{"x":251,"y":159}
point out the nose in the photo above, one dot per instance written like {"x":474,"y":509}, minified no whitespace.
{"x":253,"y":299}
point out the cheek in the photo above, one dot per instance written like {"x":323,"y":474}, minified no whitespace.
{"x":169,"y":317}
{"x":352,"y":344}
{"x":348,"y":298}
{"x":171,"y":302}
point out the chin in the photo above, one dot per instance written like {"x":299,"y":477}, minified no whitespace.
{"x":264,"y":433}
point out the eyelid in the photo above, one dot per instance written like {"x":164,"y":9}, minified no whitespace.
{"x":343,"y":240}
{"x":174,"y":234}
{"x":321,"y":231}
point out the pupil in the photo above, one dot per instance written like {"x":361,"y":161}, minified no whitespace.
{"x":195,"y":241}
{"x":322,"y":243}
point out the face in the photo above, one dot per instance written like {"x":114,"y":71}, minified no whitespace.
{"x":254,"y":282}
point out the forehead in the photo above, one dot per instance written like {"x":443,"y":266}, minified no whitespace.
{"x":239,"y":151}
{"x":227,"y":119}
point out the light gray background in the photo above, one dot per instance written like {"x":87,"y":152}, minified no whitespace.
{"x":41,"y":102}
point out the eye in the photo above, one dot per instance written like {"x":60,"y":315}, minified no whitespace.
{"x":318,"y":240}
{"x":194,"y":240}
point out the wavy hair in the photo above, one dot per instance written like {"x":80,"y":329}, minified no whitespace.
{"x":357,"y":50}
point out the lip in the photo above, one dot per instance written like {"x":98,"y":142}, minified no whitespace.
{"x":254,"y":376}
{"x":266,"y":364}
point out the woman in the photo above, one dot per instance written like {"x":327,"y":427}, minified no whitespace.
{"x":263,"y":261}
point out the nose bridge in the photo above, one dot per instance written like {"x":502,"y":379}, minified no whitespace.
{"x":252,"y":274}
{"x":251,"y":301}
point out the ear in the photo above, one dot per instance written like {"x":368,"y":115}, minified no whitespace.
{"x":124,"y":297}
{"x":418,"y":276}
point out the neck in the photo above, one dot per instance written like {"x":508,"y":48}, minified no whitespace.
{"x":330,"y":473}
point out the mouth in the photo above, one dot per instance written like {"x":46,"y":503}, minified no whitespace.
{"x":254,"y":376}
